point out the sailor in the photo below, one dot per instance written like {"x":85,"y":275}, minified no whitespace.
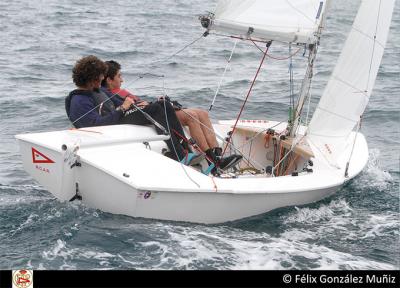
{"x":89,"y":106}
{"x":198,"y":121}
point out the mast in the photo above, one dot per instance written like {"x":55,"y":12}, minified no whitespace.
{"x":304,"y":91}
{"x":294,"y":123}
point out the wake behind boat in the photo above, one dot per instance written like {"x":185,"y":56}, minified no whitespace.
{"x":121,"y":169}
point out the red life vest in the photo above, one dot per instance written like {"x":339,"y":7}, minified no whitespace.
{"x":125,"y":93}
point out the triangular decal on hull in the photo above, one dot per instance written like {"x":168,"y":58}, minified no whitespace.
{"x":38,"y":157}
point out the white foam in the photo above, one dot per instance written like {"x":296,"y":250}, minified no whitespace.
{"x":22,"y":194}
{"x":58,"y":250}
{"x":176,"y":246}
{"x":133,"y":264}
{"x":66,"y":266}
{"x":282,"y":253}
{"x":194,"y":246}
{"x":96,"y":255}
{"x":220,"y":247}
{"x":340,"y":220}
{"x":324,"y":212}
{"x":228,"y":248}
{"x":69,"y":255}
{"x":75,"y":227}
{"x":28,"y":222}
{"x":381,"y":225}
{"x":373,"y":175}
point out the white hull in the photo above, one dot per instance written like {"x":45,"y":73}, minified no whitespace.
{"x":121,"y":175}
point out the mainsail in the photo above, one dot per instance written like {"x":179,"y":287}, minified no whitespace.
{"x":350,"y":85}
{"x":286,"y":21}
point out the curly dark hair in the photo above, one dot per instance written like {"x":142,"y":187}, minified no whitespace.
{"x":88,"y":69}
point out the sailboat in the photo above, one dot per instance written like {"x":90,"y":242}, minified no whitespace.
{"x":121,"y":169}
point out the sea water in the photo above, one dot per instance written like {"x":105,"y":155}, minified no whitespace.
{"x":356,"y":228}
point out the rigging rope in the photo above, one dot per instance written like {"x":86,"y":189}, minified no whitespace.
{"x":247,"y":96}
{"x":258,"y":133}
{"x":346,"y":172}
{"x":237,"y":150}
{"x":223,"y":75}
{"x":179,"y":51}
{"x":166,"y":59}
{"x":273,"y":57}
{"x":373,"y":47}
{"x":284,"y":157}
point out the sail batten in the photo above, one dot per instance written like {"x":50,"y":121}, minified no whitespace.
{"x":350,"y":86}
{"x":284,"y":21}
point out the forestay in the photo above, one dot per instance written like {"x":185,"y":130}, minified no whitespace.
{"x":286,"y":21}
{"x":350,"y":86}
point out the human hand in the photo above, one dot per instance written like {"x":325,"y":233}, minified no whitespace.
{"x":127,"y":103}
{"x":142,"y":104}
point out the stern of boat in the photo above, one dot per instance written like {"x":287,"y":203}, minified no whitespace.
{"x":49,"y":165}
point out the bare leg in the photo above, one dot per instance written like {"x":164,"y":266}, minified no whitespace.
{"x":202,"y":131}
{"x":208,"y":131}
{"x":191,"y":119}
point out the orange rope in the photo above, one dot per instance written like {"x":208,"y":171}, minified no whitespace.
{"x":267,"y":139}
{"x":280,"y":157}
{"x":293,"y":160}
